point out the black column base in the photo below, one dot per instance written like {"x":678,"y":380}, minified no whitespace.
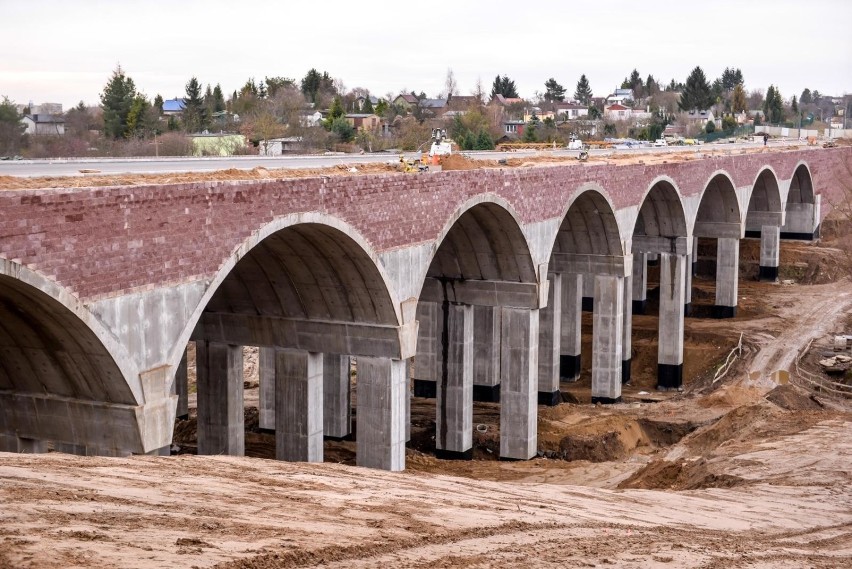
{"x":640,"y":306}
{"x":569,"y":368}
{"x":751,"y":233}
{"x":724,"y":311}
{"x":606,"y":400}
{"x":694,"y":268}
{"x":625,"y":370}
{"x":425,"y":388}
{"x":669,"y":376}
{"x":183,"y":417}
{"x":349,"y":437}
{"x":549,"y":398}
{"x":588,"y":304}
{"x":454,"y":454}
{"x":654,"y":262}
{"x":768,"y":274}
{"x":487,"y":393}
{"x":687,"y":309}
{"x":800,"y":236}
{"x":266,"y":431}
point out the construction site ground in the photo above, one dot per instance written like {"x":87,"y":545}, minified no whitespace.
{"x":733,"y":473}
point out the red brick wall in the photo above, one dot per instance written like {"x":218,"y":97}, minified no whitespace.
{"x":105,"y":241}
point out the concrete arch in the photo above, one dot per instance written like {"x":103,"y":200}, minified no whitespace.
{"x":589,"y":224}
{"x":489,"y":228}
{"x":52,"y":345}
{"x":719,"y":210}
{"x":765,"y":192}
{"x":661,"y":213}
{"x":801,"y":185}
{"x":326,"y":271}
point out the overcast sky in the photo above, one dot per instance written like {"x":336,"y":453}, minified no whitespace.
{"x":65,"y":50}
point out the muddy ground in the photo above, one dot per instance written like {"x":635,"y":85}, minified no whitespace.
{"x":736,"y":472}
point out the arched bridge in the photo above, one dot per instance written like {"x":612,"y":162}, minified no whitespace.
{"x":480,"y":274}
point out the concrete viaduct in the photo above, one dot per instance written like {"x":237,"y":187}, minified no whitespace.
{"x":480,"y":274}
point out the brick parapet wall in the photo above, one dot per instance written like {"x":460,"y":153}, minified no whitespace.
{"x":100,"y":242}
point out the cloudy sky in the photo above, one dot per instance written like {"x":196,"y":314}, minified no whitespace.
{"x":65,"y":50}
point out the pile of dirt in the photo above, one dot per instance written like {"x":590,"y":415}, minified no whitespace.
{"x":459,"y":162}
{"x":792,"y":398}
{"x":684,"y":474}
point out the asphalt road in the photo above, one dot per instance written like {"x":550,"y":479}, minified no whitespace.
{"x":72,"y":166}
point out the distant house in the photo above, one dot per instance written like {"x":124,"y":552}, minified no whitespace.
{"x":570,"y":111}
{"x":699,"y":117}
{"x":172,"y":107}
{"x":620,"y":97}
{"x":362,"y":121}
{"x":310,"y":118}
{"x":43,"y":124}
{"x":618,"y":112}
{"x":405,"y":101}
{"x":511,"y":107}
{"x":539,"y":113}
{"x":463,"y":102}
{"x":433,"y":107}
{"x":513,"y":128}
{"x":361,"y":101}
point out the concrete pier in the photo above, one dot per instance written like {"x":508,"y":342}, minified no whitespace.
{"x":429,"y":315}
{"x":627,"y":331}
{"x":13,"y":443}
{"x":639,"y":283}
{"x":670,"y":347}
{"x":770,"y":251}
{"x":518,"y":383}
{"x":486,"y":353}
{"x":336,"y":396}
{"x":571,"y":329}
{"x":221,"y":423}
{"x":454,"y":421}
{"x":266,"y":390}
{"x":298,"y":406}
{"x":727,"y":275}
{"x":549,"y":344}
{"x":687,"y":289}
{"x":607,"y":339}
{"x":382,"y":387}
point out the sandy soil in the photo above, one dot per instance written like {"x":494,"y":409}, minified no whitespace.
{"x":735,"y":473}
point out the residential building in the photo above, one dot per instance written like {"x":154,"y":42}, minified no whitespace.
{"x":570,"y":111}
{"x":405,"y":101}
{"x":618,"y":112}
{"x":173,"y":107}
{"x":279,"y":146}
{"x":620,"y":97}
{"x":463,"y":102}
{"x":44,"y":124}
{"x":699,"y":117}
{"x":363,"y":121}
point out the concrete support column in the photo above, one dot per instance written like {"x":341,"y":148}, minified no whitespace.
{"x":588,"y":301}
{"x":607,"y":339}
{"x":336,"y":396}
{"x":486,"y":353}
{"x":298,"y":406}
{"x":266,"y":391}
{"x":381,"y":413}
{"x":454,"y":421}
{"x":430,"y":317}
{"x":627,"y":331}
{"x":770,"y":250}
{"x":670,"y":346}
{"x":727,"y":275}
{"x":549,"y":344}
{"x":518,"y":379}
{"x":687,"y":291}
{"x":571,"y":328}
{"x":694,"y":258}
{"x":221,"y":423}
{"x":409,"y":369}
{"x":181,"y":389}
{"x":640,"y":283}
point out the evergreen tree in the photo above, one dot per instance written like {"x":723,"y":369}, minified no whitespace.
{"x":773,"y":106}
{"x":738,"y":99}
{"x":806,"y":98}
{"x":731,"y":78}
{"x":696,"y":93}
{"x":710,"y":127}
{"x":275,"y":84}
{"x":635,"y":83}
{"x":816,"y":96}
{"x":334,"y":112}
{"x":368,"y":105}
{"x":158,"y":104}
{"x":484,"y":141}
{"x":794,"y":105}
{"x":137,"y":126}
{"x":218,"y":99}
{"x":195,"y":118}
{"x":504,"y":86}
{"x":651,"y":86}
{"x":554,"y":91}
{"x":116,"y":100}
{"x":530,"y":129}
{"x":314,"y":85}
{"x":11,"y":128}
{"x":584,"y":92}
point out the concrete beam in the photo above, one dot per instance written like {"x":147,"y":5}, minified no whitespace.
{"x":323,"y":336}
{"x":483,"y":293}
{"x":755,"y":220}
{"x":715,"y":229}
{"x":610,"y":265}
{"x":660,"y":244}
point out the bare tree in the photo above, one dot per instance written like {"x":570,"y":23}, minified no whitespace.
{"x":450,"y":87}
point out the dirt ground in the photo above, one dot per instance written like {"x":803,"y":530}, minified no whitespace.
{"x":731,"y":473}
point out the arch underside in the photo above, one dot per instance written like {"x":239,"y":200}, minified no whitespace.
{"x":661,"y":213}
{"x":719,"y":202}
{"x":307,"y":271}
{"x":485,"y":243}
{"x":589,"y":228}
{"x":801,"y":187}
{"x":765,"y":195}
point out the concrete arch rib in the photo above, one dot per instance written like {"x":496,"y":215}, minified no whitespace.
{"x":52,"y":345}
{"x":307,"y":266}
{"x":765,"y":205}
{"x":801,"y":185}
{"x":483,"y":240}
{"x":719,"y":211}
{"x":661,"y":213}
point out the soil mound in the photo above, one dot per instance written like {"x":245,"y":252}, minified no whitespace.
{"x":792,"y":398}
{"x":458,"y":162}
{"x":739,"y":424}
{"x":693,"y":474}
